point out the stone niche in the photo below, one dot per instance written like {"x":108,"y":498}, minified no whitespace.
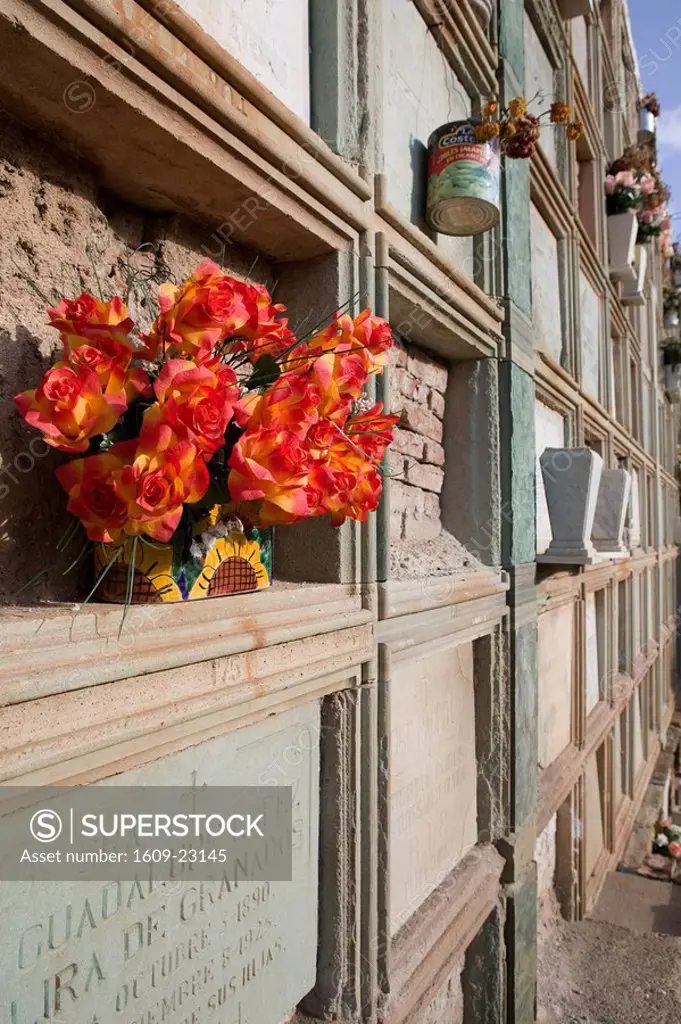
{"x":556,"y":670}
{"x":211,"y":951}
{"x":433,"y":778}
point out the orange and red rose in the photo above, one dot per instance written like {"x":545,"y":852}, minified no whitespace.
{"x":372,"y":431}
{"x":196,"y":400}
{"x":96,"y":335}
{"x":70,"y":406}
{"x":93,"y":496}
{"x":290,"y":403}
{"x":198,"y":315}
{"x":163,"y":476}
{"x":270,"y":466}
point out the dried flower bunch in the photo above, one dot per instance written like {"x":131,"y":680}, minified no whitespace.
{"x":650,"y":103}
{"x":217,"y":401}
{"x":518,"y":130}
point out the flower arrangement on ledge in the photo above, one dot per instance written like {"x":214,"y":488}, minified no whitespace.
{"x":634,"y":183}
{"x":518,"y":130}
{"x":667,"y":839}
{"x":216,"y":414}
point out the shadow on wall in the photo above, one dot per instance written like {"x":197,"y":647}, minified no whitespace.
{"x":419,"y":166}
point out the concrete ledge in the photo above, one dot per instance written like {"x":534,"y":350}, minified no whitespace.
{"x":405,"y":597}
{"x":52,"y":650}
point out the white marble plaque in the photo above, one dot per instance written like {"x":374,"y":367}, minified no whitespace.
{"x":433,"y":807}
{"x":184,"y":952}
{"x":549,"y":432}
{"x":556,"y":666}
{"x":590,"y":306}
{"x":547,"y":327}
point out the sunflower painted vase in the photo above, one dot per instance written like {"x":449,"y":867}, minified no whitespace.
{"x":225,"y":557}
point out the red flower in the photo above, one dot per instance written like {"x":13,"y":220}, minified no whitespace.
{"x":164,"y":475}
{"x":196,"y":401}
{"x":291,"y":404}
{"x":372,"y":431}
{"x":270,"y":466}
{"x":70,"y":406}
{"x":194,"y":318}
{"x":91,"y":486}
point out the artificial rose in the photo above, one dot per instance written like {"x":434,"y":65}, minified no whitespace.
{"x":163,"y":476}
{"x":291,"y":404}
{"x":266,"y":330}
{"x":196,"y":400}
{"x":70,"y":406}
{"x":270,"y":466}
{"x":674,"y":850}
{"x":343,"y":481}
{"x":91,"y":486}
{"x":200,"y":314}
{"x":367,"y":336}
{"x":96,"y":335}
{"x":372,"y":431}
{"x":86,"y":316}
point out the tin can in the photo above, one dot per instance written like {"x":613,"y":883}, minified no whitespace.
{"x":463,"y":181}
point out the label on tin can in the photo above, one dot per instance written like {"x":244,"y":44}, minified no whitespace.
{"x":461,"y":168}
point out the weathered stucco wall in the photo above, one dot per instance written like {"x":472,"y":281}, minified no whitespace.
{"x":61,"y":233}
{"x":269,"y":37}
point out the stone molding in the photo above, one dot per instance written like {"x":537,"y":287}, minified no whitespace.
{"x":406,"y":597}
{"x":70,"y":651}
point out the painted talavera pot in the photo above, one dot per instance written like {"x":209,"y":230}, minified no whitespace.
{"x":463,"y":181}
{"x":224,"y":558}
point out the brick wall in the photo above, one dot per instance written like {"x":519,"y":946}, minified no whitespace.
{"x":416,"y":459}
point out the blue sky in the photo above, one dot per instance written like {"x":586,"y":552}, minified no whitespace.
{"x":656,"y":25}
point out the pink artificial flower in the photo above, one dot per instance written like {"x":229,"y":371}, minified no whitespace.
{"x":625,"y":179}
{"x":610,"y":184}
{"x":648,"y":185}
{"x":646,"y":216}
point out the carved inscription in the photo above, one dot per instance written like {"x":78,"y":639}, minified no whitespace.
{"x":182,"y":951}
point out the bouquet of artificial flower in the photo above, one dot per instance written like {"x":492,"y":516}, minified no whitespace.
{"x":215,"y":403}
{"x":667,"y":839}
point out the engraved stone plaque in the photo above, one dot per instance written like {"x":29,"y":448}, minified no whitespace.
{"x":185,"y":951}
{"x":433,"y":788}
{"x":556,"y":660}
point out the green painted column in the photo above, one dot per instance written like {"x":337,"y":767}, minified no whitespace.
{"x":516,"y":416}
